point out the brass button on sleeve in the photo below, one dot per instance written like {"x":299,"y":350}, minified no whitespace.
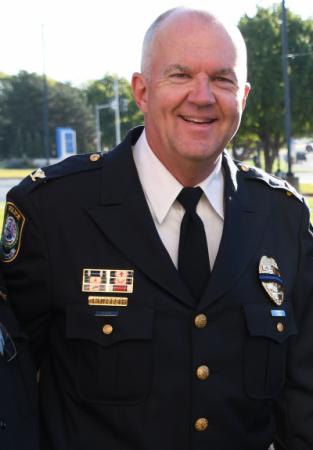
{"x":94,"y":157}
{"x":280,"y":327}
{"x":107,"y":329}
{"x":200,"y":321}
{"x":201,"y":424}
{"x":203,"y":372}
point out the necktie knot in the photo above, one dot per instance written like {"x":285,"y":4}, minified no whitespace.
{"x":189,"y":198}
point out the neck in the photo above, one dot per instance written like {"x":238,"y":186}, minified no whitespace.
{"x":191,"y":172}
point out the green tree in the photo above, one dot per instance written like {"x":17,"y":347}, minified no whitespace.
{"x":68,"y":108}
{"x":21,"y":110}
{"x":101,"y":92}
{"x":21,"y":115}
{"x":263,"y":122}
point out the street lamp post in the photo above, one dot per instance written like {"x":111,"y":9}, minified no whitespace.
{"x":45,"y":107}
{"x":115,"y":105}
{"x":286,"y":87}
{"x":98,"y":132}
{"x":117,"y":113}
{"x":290,"y":176}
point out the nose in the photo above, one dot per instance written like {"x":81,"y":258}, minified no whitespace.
{"x":202,"y":92}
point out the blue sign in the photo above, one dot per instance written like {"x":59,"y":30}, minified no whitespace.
{"x":66,"y":142}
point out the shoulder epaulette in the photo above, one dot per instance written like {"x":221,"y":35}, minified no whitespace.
{"x":272,"y":181}
{"x":69,"y":166}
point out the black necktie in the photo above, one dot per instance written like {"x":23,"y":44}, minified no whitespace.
{"x":193,"y":256}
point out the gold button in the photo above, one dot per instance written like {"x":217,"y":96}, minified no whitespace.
{"x":94,"y":157}
{"x":107,"y":329}
{"x":200,"y":320}
{"x":280,"y":327}
{"x":203,"y":372}
{"x":201,"y":424}
{"x":245,"y":168}
{"x":289,"y":193}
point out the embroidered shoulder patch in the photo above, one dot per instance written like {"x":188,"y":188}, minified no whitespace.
{"x":13,"y":224}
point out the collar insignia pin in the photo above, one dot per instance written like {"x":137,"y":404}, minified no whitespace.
{"x":39,"y":173}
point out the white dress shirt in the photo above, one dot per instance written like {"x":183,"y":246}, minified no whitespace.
{"x":161,"y":190}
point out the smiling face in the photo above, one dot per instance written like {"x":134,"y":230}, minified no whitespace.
{"x":192,"y":94}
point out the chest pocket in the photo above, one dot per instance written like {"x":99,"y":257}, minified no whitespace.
{"x":113,"y":354}
{"x":265,"y":348}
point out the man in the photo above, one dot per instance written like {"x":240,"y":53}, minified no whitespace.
{"x":150,"y":335}
{"x":18,"y":405}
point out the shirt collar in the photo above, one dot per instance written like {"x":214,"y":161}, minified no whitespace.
{"x":213,"y":188}
{"x":161,"y":188}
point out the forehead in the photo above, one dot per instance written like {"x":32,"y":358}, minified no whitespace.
{"x":194,"y":40}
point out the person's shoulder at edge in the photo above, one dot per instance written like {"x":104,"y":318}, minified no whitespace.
{"x":269,"y":180}
{"x":70,"y":166}
{"x":74,"y":165}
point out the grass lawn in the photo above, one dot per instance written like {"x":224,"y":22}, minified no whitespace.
{"x":306,"y":189}
{"x":15,"y":173}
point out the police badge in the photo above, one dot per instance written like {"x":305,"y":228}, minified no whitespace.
{"x":13,"y":225}
{"x":271,"y":279}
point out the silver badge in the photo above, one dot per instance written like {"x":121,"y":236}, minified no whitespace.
{"x":271,"y":279}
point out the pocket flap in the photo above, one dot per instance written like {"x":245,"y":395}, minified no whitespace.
{"x":263,"y":320}
{"x":85,"y":322}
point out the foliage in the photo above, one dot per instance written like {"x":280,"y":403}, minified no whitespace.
{"x":263,"y":122}
{"x":69,"y":108}
{"x":101,"y":92}
{"x":21,"y":115}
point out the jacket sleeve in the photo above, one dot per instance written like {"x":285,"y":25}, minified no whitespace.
{"x":295,"y":406}
{"x":27,"y":271}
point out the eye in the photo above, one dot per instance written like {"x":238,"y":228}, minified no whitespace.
{"x":180,"y":75}
{"x":224,"y":80}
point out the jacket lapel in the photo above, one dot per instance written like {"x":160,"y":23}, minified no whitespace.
{"x":124,"y":217}
{"x":243,"y":230}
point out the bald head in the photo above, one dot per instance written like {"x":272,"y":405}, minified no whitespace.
{"x":175,"y":17}
{"x":192,"y":90}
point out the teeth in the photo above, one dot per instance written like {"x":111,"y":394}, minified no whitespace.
{"x":196,"y":120}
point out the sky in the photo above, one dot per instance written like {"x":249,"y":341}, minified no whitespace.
{"x":78,"y":41}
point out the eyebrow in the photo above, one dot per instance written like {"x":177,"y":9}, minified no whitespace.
{"x":187,"y":69}
{"x":175,"y":68}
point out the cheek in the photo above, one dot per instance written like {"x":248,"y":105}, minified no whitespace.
{"x":168,"y":98}
{"x":232,"y":107}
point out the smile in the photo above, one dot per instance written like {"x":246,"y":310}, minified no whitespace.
{"x":198,"y":120}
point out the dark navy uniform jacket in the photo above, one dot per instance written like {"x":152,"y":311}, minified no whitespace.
{"x":127,"y":360}
{"x":18,"y":397}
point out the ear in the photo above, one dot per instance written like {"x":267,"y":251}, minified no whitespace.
{"x":140,"y":91}
{"x":247,"y":89}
